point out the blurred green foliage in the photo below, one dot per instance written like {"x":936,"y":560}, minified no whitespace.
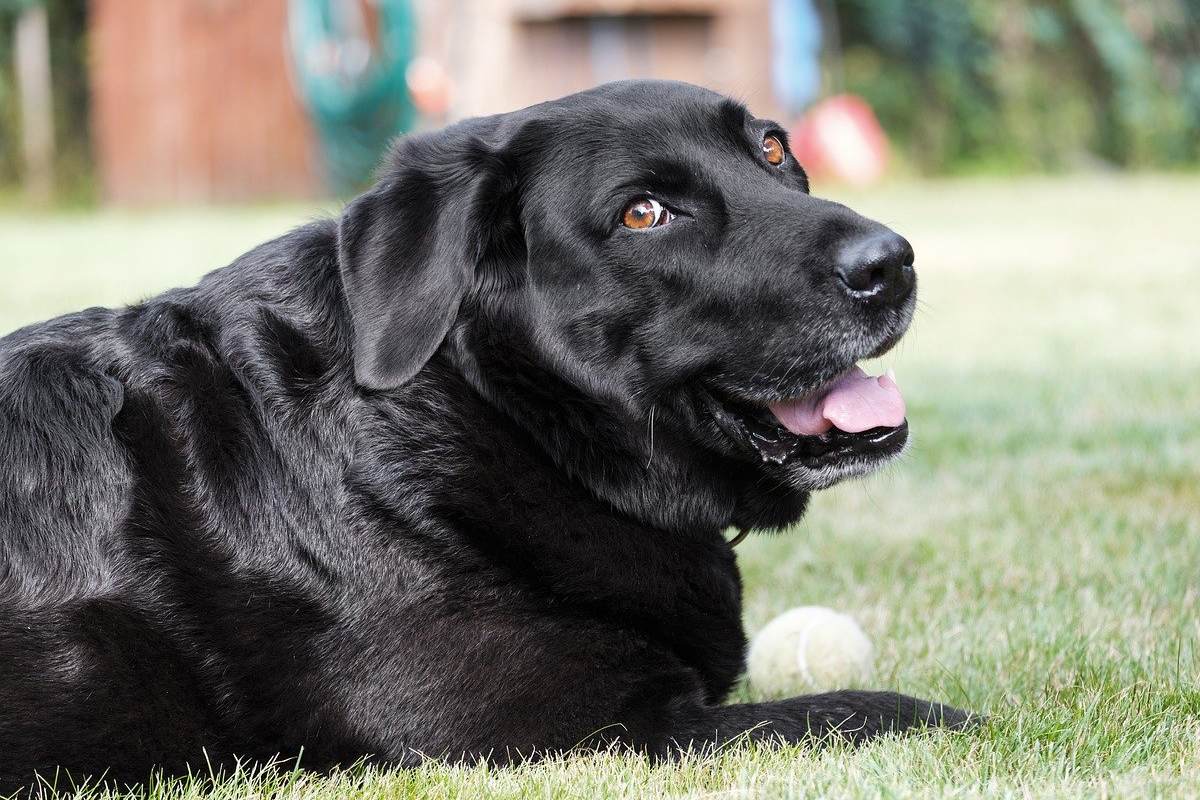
{"x":1028,"y":84}
{"x":1013,"y":85}
{"x":68,"y":68}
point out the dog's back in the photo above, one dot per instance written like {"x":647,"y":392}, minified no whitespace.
{"x":141,"y":456}
{"x":70,"y":644}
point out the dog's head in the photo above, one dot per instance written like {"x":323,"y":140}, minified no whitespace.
{"x":638,"y":273}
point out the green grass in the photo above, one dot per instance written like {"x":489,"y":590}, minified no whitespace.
{"x":1036,"y":555}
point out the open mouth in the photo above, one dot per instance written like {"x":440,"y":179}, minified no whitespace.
{"x":853,"y":418}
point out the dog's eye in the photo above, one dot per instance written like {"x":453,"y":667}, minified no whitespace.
{"x":773,"y":150}
{"x":646,"y":213}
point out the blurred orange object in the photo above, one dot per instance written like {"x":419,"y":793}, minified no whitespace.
{"x":430,"y":87}
{"x":840,"y":137}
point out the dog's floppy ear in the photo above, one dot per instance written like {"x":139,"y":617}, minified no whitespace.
{"x":410,"y":248}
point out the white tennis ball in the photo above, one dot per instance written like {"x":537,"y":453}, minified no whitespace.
{"x":809,"y":649}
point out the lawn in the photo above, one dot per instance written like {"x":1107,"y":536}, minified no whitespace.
{"x":1035,"y":556}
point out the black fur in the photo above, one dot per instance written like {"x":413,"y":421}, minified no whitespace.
{"x":444,"y":478}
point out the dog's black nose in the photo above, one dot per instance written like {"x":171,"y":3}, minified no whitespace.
{"x":877,"y":268}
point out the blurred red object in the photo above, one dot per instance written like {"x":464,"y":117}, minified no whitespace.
{"x":840,"y":137}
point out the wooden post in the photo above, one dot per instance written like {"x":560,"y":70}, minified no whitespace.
{"x":37,"y":102}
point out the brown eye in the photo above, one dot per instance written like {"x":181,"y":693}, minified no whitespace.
{"x":773,"y":150}
{"x":645,"y":213}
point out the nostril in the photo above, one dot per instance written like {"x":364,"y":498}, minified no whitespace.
{"x":864,"y":278}
{"x":876,"y":279}
{"x":877,"y":269}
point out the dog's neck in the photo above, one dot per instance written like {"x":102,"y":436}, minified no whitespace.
{"x":642,"y":471}
{"x":626,"y":463}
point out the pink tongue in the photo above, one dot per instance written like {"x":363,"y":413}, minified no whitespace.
{"x":853,"y":403}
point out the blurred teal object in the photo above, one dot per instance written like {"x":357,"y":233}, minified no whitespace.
{"x":796,"y":65}
{"x":351,"y":76}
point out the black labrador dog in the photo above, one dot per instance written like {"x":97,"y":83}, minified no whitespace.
{"x":448,"y":476}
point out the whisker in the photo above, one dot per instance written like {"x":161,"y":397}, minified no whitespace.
{"x":651,"y":425}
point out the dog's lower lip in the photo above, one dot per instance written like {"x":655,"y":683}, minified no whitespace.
{"x":837,"y":422}
{"x":832,"y":447}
